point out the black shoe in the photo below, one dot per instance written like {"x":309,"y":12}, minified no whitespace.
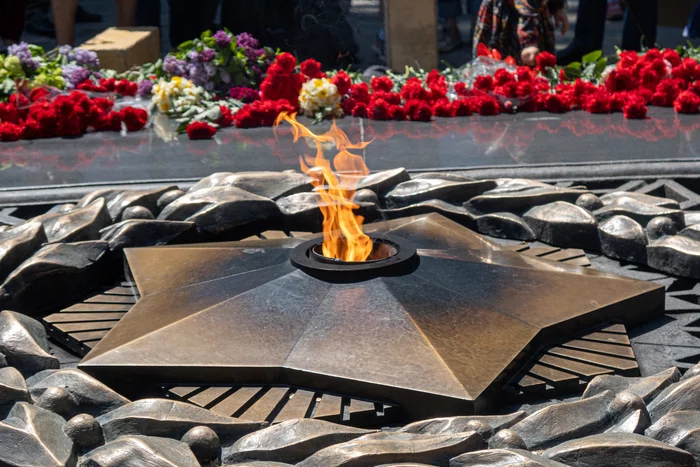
{"x":572,"y":53}
{"x":42,"y":27}
{"x":84,"y":16}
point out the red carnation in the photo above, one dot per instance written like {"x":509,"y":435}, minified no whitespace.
{"x":226,"y":118}
{"x":342,"y":81}
{"x":110,"y":121}
{"x":635,"y":108}
{"x":503,"y":76}
{"x":687,"y":102}
{"x":627,"y":59}
{"x":661,"y":99}
{"x":360,"y":110}
{"x":393,"y":98}
{"x":10,"y":131}
{"x":45,"y":114}
{"x":545,"y":60}
{"x":488,"y":106}
{"x":88,"y":85}
{"x":286,"y":61}
{"x":461,"y":89}
{"x":134,"y":118}
{"x":200,"y":130}
{"x":619,"y":80}
{"x":413,"y":89}
{"x":509,"y":90}
{"x":484,"y":83}
{"x":444,"y":108}
{"x":381,"y":83}
{"x":463,"y":107}
{"x":108,"y":84}
{"x":598,"y":103}
{"x":524,"y":73}
{"x":126,"y":87}
{"x":651,"y":55}
{"x":433,"y":77}
{"x":556,"y":103}
{"x":311,"y":68}
{"x":347,"y":104}
{"x":420,"y":112}
{"x":8,"y":112}
{"x":31,"y":129}
{"x":360,"y":92}
{"x":695,"y":87}
{"x":37,"y":94}
{"x":379,"y":110}
{"x":672,"y":57}
{"x":396,"y":112}
{"x":525,"y":89}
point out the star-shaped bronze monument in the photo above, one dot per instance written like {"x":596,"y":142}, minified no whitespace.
{"x":440,"y":334}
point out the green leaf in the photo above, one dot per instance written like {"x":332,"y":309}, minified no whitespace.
{"x":592,"y":57}
{"x":600,"y":65}
{"x":210,"y":42}
{"x":573,"y":70}
{"x":36,"y":50}
{"x":206,"y":34}
{"x":186,"y":45}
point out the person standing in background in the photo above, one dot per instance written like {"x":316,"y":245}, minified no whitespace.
{"x":64,"y":17}
{"x":639,"y":28}
{"x":449,"y":36}
{"x":11,"y":20}
{"x":185,"y":22}
{"x":520,"y":28}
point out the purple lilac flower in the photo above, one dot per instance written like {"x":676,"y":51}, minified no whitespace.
{"x":209,"y":70}
{"x":222,"y":39}
{"x":22,"y":52}
{"x":145,"y":88}
{"x":225,"y":76}
{"x":247,"y":41}
{"x":86,"y":58}
{"x":197,"y":74}
{"x":65,"y":49}
{"x":74,"y":75}
{"x":208,"y":54}
{"x":193,"y":55}
{"x":173,"y":66}
{"x":209,"y":86}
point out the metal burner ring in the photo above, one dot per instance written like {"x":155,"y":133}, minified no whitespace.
{"x":308,"y":256}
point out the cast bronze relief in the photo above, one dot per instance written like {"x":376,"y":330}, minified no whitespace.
{"x":438,"y":331}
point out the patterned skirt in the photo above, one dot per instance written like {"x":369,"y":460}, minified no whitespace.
{"x":499,"y":26}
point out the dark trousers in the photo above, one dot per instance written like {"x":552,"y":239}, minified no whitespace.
{"x":186,"y":21}
{"x":12,"y":19}
{"x":640,"y":24}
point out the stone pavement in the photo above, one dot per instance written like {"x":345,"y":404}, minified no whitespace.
{"x":364,"y":17}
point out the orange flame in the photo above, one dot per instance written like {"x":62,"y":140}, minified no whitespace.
{"x":343,"y":237}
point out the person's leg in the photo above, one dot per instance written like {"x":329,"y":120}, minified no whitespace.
{"x":126,"y":12}
{"x":64,"y":19}
{"x":588,"y":33}
{"x":640,"y":24}
{"x":187,"y":22}
{"x":148,"y":13}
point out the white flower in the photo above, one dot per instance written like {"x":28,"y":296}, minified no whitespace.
{"x":320,"y":95}
{"x":174,"y":95}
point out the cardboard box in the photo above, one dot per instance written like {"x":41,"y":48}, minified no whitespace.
{"x":675,"y":13}
{"x":123,"y":48}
